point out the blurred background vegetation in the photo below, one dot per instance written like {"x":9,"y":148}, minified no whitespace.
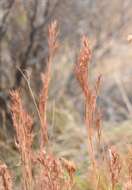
{"x":23,"y":44}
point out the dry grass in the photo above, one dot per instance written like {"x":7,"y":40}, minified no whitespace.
{"x":5,"y":177}
{"x":41,"y":169}
{"x":92,"y":116}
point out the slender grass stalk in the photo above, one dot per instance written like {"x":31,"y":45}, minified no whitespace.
{"x":23,"y":124}
{"x":6,"y":177}
{"x":90,"y":94}
{"x":52,"y":46}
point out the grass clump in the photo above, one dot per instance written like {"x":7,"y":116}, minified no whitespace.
{"x":40,"y":168}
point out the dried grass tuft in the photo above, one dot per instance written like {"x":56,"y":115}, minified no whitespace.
{"x":92,"y":116}
{"x":6,"y":178}
{"x":41,"y":169}
{"x":23,"y":124}
{"x":114,"y":167}
{"x":53,"y":46}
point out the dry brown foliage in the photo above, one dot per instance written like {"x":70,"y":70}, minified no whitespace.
{"x":5,"y":176}
{"x":49,"y":171}
{"x":92,"y":116}
{"x":114,"y":167}
{"x":23,"y":123}
{"x":41,"y":169}
{"x":53,"y":45}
